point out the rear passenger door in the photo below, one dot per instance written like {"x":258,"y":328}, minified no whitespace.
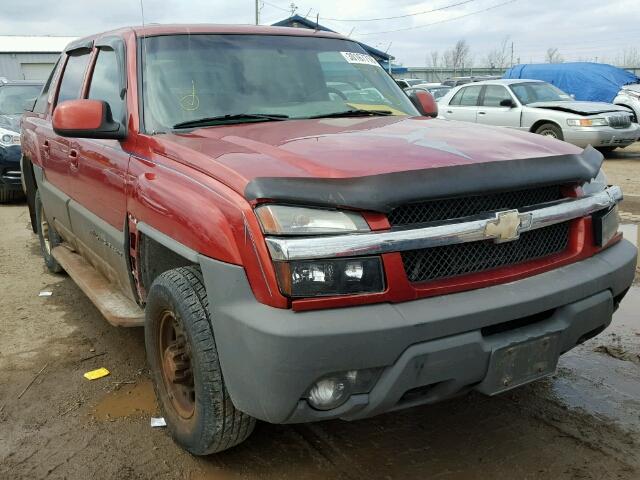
{"x":60,"y":153}
{"x":492,"y":113}
{"x":464,"y":104}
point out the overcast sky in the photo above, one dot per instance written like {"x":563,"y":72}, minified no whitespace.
{"x":580,"y":29}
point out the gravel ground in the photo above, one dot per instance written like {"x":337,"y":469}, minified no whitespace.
{"x":583,"y":423}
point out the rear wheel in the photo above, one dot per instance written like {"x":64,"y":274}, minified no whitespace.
{"x":49,"y":238}
{"x":184,"y":363}
{"x":550,"y":130}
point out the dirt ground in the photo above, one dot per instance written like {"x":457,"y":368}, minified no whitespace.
{"x":582,"y":423}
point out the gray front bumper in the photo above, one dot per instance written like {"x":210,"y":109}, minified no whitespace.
{"x":271,"y":356}
{"x":602,"y":136}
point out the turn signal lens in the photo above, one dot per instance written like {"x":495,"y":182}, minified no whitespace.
{"x":310,"y":278}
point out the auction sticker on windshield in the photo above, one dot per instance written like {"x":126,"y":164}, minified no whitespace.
{"x":363,"y":58}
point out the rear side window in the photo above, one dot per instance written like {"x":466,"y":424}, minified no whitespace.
{"x":105,"y":82}
{"x":72,"y":77}
{"x":41,"y":102}
{"x":494,"y":94}
{"x":467,"y":97}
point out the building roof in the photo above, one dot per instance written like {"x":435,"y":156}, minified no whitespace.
{"x":33,"y":44}
{"x":302,"y":22}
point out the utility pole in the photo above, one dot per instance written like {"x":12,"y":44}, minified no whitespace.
{"x":257,"y":13}
{"x":512,"y":54}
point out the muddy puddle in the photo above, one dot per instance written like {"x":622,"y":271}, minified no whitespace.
{"x":602,"y":377}
{"x":127,"y":401}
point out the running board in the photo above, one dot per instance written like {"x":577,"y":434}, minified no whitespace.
{"x":119,"y":310}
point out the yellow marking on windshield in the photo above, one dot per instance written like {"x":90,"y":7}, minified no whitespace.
{"x":190,"y":102}
{"x":368,"y":106}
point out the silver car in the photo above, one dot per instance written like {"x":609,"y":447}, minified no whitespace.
{"x":629,"y":96}
{"x":539,"y":107}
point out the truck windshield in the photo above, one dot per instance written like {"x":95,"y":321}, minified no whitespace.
{"x":246,"y":78}
{"x":13,"y":98}
{"x":538,"y":92}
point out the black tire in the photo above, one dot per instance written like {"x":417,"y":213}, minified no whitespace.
{"x":198,"y":410}
{"x":606,"y":150}
{"x":550,"y":130}
{"x":7,"y":195}
{"x":48,"y":236}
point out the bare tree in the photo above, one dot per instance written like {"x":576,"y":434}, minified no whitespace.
{"x":553,"y":56}
{"x":435,"y":58}
{"x":630,"y":58}
{"x":499,"y":57}
{"x":458,"y":57}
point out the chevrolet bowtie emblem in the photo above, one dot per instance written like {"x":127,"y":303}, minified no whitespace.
{"x":506,"y":227}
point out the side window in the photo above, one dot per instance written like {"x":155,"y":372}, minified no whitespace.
{"x":105,"y":82}
{"x":41,"y":102}
{"x":494,"y":94}
{"x":457,"y":98}
{"x":72,"y":77}
{"x":470,"y":96}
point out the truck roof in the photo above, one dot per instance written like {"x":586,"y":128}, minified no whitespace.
{"x":177,"y":29}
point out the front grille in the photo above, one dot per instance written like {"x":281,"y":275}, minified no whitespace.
{"x":452,"y":260}
{"x":451,"y":208}
{"x":619,"y":121}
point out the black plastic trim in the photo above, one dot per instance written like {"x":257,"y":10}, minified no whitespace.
{"x":384,"y":192}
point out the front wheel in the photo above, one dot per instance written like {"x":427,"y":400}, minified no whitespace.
{"x":184,"y":363}
{"x":550,"y":130}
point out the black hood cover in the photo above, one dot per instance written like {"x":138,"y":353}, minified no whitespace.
{"x":384,"y":192}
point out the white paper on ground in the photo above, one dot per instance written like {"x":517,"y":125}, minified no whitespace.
{"x":45,"y":294}
{"x":158,"y":422}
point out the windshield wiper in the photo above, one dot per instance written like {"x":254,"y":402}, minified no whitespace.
{"x":354,"y":113}
{"x":239,"y":117}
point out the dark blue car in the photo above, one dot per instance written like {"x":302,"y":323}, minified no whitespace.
{"x":14,"y":97}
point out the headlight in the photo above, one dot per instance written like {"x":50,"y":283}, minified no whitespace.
{"x":344,"y":276}
{"x":596,"y":184}
{"x":288,"y":220}
{"x":587,"y":122}
{"x":8,"y":138}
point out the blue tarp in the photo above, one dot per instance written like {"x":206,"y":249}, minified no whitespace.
{"x":595,"y":82}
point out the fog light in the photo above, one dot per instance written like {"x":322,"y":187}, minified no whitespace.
{"x":333,"y":390}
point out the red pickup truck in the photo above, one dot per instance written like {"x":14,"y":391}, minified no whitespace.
{"x":300,"y":239}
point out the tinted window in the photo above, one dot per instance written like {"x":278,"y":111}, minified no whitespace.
{"x":105,"y":82}
{"x":467,"y":96}
{"x":494,"y":94}
{"x":14,"y":97}
{"x":72,"y":77}
{"x":41,"y":102}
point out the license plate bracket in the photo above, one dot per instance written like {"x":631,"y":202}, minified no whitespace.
{"x":520,"y":363}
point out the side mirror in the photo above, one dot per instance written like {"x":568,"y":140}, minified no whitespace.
{"x":424,"y":102}
{"x":507,"y":102}
{"x":86,"y":119}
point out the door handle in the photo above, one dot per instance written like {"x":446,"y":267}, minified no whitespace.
{"x":482,"y":113}
{"x":449,"y":111}
{"x":73,"y":159}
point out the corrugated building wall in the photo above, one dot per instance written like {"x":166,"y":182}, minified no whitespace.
{"x":26,"y":66}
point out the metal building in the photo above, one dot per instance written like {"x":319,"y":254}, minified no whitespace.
{"x":29,"y":57}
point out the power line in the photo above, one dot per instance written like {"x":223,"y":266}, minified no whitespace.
{"x":415,"y":27}
{"x":399,"y":16}
{"x":445,"y":7}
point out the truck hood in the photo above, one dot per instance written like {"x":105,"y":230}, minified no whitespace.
{"x":580,"y":108}
{"x":351,"y":149}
